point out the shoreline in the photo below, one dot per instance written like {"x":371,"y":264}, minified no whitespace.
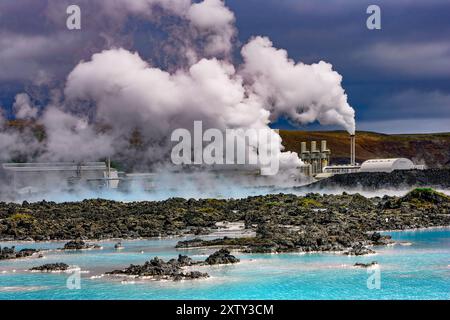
{"x":220,"y":229}
{"x":412,"y":229}
{"x":187,"y":236}
{"x":261,"y":224}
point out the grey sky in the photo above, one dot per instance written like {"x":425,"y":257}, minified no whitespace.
{"x":394,"y":77}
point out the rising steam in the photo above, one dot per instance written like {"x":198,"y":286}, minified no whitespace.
{"x":127,"y":99}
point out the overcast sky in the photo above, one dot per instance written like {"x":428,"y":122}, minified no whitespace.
{"x":397,"y":78}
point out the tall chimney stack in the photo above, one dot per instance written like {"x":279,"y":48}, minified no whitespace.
{"x":352,"y":150}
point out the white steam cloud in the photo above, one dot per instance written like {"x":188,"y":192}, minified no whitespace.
{"x":72,"y":138}
{"x":304,"y":93}
{"x":210,"y":20}
{"x":144,"y":7}
{"x":132,"y":95}
{"x":24,"y":108}
{"x":131,"y":100}
{"x":216,"y":22}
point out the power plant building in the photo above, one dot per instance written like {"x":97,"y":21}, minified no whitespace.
{"x":34,"y":177}
{"x":315,"y":159}
{"x":387,"y":165}
{"x":29,"y":178}
{"x":317,"y":162}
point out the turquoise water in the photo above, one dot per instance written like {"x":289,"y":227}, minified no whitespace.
{"x":420,"y":270}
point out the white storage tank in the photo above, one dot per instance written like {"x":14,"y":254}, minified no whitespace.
{"x":386,"y":165}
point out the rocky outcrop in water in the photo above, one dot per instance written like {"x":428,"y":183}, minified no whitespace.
{"x":160,"y":270}
{"x":193,"y":243}
{"x":359,"y":250}
{"x":51,"y":267}
{"x":223,"y":256}
{"x":119,"y":246}
{"x":11,"y":253}
{"x":365,"y":265}
{"x":79,"y":245}
{"x":380,"y":240}
{"x":272,"y":238}
{"x":174,"y":269}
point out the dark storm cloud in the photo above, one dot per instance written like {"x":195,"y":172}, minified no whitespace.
{"x":399,"y":72}
{"x":412,"y":32}
{"x":37,"y":51}
{"x":36,"y":46}
{"x":393,"y":73}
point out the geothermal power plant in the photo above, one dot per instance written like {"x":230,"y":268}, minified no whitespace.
{"x":317,"y":161}
{"x":31,"y":178}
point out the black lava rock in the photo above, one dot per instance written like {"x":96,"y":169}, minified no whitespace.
{"x":79,"y":245}
{"x":160,"y":270}
{"x":51,"y":267}
{"x":365,"y":265}
{"x":222,"y":256}
{"x":11,"y":253}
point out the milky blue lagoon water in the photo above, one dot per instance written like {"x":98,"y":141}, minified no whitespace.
{"x":420,"y":270}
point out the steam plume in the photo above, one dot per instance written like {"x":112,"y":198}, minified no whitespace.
{"x":304,"y":93}
{"x":128,"y":99}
